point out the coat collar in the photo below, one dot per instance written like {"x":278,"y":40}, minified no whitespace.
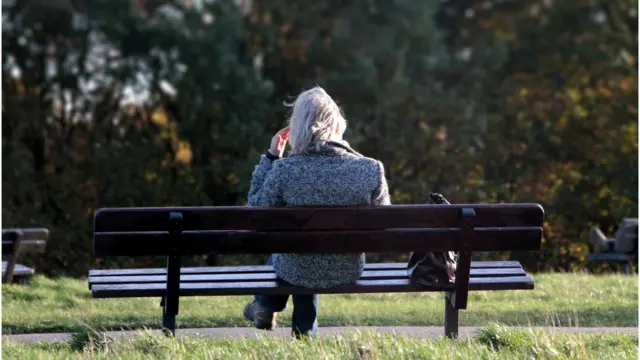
{"x":333,"y":148}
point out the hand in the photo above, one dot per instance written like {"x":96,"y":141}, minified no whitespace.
{"x":278,"y":142}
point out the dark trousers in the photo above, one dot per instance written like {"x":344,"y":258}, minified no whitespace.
{"x":305,"y":309}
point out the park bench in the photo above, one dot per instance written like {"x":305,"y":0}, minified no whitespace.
{"x":20,"y":241}
{"x":185,"y":231}
{"x":625,"y":259}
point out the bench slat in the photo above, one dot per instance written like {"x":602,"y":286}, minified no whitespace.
{"x":273,"y":288}
{"x":317,"y":218}
{"x":268,"y":268}
{"x":30,"y":233}
{"x":367,"y":275}
{"x":26,"y":246}
{"x":609,"y":257}
{"x":253,"y":242}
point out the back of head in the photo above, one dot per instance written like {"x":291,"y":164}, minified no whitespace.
{"x":315,"y":119}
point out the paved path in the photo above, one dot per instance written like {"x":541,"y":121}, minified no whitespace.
{"x":418,"y":331}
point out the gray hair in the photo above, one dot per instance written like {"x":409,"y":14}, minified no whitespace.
{"x":313,"y":120}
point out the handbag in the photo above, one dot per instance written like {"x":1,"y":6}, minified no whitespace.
{"x":433,"y":268}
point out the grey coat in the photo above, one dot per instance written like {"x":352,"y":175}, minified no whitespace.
{"x":332,"y":175}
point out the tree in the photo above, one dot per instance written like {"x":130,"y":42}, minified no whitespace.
{"x":99,"y":104}
{"x":564,"y":120}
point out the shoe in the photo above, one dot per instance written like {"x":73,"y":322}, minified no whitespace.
{"x":262,"y":318}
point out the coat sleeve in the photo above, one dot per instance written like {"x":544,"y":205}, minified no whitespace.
{"x":380,"y":195}
{"x":266,"y":184}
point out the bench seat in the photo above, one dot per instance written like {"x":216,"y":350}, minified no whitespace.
{"x":626,"y":260}
{"x":251,"y":280}
{"x":612,"y":257}
{"x":19,"y":270}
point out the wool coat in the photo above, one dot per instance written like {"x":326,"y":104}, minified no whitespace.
{"x":329,"y":174}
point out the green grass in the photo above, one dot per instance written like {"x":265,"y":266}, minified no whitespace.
{"x":493,"y":342}
{"x":65,"y":305}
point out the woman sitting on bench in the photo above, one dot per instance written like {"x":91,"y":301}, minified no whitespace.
{"x":322,"y":169}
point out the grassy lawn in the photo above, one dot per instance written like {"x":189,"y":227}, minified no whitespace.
{"x":65,"y":305}
{"x":493,"y":342}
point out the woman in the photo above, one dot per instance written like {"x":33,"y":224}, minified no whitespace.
{"x":322,"y":169}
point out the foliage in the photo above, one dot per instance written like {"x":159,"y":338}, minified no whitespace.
{"x":567,"y":133}
{"x":73,"y":141}
{"x":484,"y":101}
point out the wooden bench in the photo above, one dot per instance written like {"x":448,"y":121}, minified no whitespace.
{"x":176,"y":232}
{"x":16,"y":242}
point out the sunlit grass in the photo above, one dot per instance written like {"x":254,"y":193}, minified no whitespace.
{"x":65,"y":305}
{"x":493,"y":342}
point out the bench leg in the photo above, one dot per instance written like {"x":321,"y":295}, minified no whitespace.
{"x":171,"y":299}
{"x":450,"y":317}
{"x":7,"y":277}
{"x":169,"y":324}
{"x":168,"y":321}
{"x":11,"y":265}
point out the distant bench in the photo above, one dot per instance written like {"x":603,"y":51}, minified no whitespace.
{"x":176,"y":232}
{"x":16,"y":242}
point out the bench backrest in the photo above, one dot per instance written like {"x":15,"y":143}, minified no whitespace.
{"x":393,"y":228}
{"x":28,"y":239}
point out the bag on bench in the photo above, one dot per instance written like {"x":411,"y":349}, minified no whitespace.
{"x":432,"y":268}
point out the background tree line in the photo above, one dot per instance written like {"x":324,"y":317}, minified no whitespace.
{"x":158,"y":103}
